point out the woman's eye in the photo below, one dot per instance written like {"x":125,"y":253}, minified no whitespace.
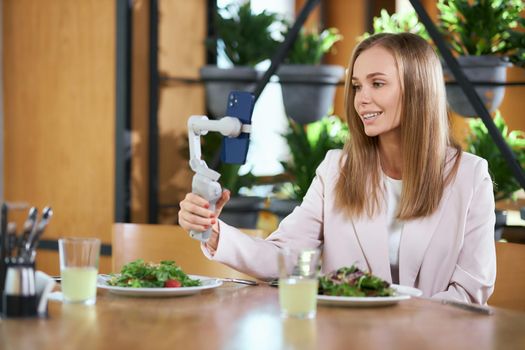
{"x":356,"y":87}
{"x":378,"y":84}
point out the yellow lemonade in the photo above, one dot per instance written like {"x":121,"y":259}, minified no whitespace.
{"x":79,"y":284}
{"x":298,"y":297}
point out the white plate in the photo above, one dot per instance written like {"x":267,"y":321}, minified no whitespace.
{"x":402,"y":293}
{"x":206,"y":283}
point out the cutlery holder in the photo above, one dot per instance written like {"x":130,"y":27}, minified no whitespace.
{"x":19,"y":297}
{"x":3,"y":267}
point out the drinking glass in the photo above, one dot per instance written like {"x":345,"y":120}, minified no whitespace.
{"x":78,"y":269}
{"x":298,"y":282}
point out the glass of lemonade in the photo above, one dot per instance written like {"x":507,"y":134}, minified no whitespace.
{"x":78,"y":269}
{"x":298,"y":282}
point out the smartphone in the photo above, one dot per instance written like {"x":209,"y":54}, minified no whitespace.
{"x":240,"y":105}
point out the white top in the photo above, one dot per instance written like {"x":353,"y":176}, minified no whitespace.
{"x":394,"y":226}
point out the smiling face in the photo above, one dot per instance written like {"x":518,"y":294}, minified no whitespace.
{"x":375,"y":80}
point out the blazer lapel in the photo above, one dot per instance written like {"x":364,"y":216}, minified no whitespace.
{"x":373,"y":240}
{"x":415,"y":238}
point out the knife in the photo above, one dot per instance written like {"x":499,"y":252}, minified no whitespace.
{"x":29,"y":226}
{"x":240,"y":281}
{"x":469,"y":307}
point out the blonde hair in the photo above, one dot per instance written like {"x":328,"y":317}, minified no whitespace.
{"x":424,"y":133}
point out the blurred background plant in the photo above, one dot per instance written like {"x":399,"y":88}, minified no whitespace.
{"x":480,"y":27}
{"x":480,"y":143}
{"x":398,"y":23}
{"x":311,"y":46}
{"x":484,"y":27}
{"x":245,"y":37}
{"x":308,"y":146}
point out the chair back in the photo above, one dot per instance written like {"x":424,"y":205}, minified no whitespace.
{"x":166,"y":242}
{"x":510,"y":278}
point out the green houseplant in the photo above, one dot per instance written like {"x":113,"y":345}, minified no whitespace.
{"x":308,"y":146}
{"x":398,"y":23}
{"x":482,"y":33}
{"x":480,"y":143}
{"x":245,"y":38}
{"x":308,"y":87}
{"x":484,"y":27}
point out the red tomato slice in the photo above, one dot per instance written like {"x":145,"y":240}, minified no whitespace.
{"x":172,"y":284}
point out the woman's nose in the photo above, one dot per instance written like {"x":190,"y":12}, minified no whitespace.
{"x":363,"y":96}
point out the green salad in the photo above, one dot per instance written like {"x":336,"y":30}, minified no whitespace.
{"x":352,"y":282}
{"x":139,"y":274}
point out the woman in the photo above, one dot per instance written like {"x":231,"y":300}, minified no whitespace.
{"x":401,"y":200}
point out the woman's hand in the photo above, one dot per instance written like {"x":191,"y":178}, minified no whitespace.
{"x":194,"y":214}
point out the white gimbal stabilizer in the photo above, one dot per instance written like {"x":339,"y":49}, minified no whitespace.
{"x":205,"y":179}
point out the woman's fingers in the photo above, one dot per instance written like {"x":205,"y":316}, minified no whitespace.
{"x":190,"y":225}
{"x":197,"y":205}
{"x":194,"y":213}
{"x":225,"y":197}
{"x":190,"y":221}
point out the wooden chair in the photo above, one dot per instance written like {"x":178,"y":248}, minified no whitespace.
{"x":166,"y":242}
{"x":510,"y":279}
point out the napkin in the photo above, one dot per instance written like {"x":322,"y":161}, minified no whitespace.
{"x":44,"y":284}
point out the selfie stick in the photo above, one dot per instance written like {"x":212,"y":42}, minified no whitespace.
{"x":205,"y":179}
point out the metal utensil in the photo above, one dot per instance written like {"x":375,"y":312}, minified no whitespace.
{"x":33,"y":239}
{"x":240,"y":281}
{"x":29,"y":226}
{"x":469,"y":307}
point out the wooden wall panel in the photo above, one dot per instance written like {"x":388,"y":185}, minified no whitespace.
{"x":59,"y":90}
{"x":350,"y":18}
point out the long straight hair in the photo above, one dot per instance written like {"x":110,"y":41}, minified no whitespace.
{"x":424,"y":129}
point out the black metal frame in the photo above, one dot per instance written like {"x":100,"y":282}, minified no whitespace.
{"x":123,"y":111}
{"x":153,"y":133}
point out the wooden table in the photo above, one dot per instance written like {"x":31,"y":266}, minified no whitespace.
{"x":243,"y":317}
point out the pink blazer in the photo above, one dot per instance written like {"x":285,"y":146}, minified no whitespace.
{"x":448,"y":255}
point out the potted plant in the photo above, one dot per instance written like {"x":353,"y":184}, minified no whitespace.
{"x":482,"y":33}
{"x":246,"y":39}
{"x":308,"y":146}
{"x":480,"y":143}
{"x":308,"y":87}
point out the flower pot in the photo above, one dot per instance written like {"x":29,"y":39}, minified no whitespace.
{"x":219,"y":82}
{"x":242,"y":212}
{"x":308,"y":90}
{"x":491,"y":69}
